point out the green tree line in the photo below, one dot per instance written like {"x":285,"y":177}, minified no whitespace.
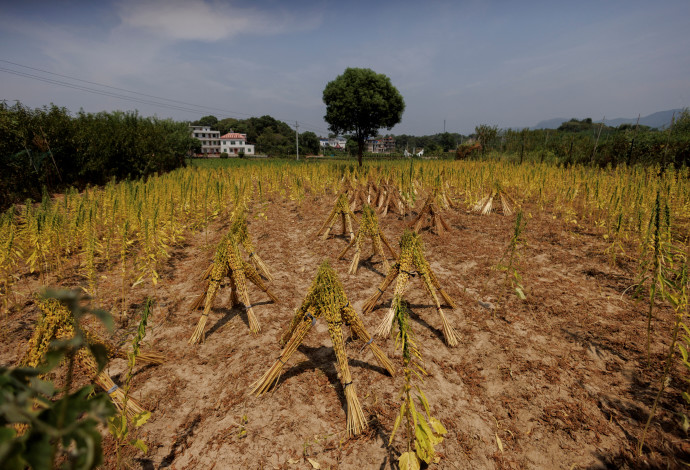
{"x":50,"y":148}
{"x":270,"y":136}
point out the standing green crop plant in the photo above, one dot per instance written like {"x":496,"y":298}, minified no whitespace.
{"x":511,"y":256}
{"x":422,"y":431}
{"x":120,"y":425}
{"x":655,"y":262}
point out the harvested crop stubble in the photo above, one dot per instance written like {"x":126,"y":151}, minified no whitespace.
{"x":326,"y":298}
{"x":411,"y":258}
{"x":342,"y":208}
{"x":369,"y":228}
{"x":56,"y":322}
{"x":228,"y":262}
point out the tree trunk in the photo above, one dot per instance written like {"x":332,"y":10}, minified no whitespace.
{"x":360,"y":150}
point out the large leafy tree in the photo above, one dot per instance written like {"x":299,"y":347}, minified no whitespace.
{"x":360,"y":102}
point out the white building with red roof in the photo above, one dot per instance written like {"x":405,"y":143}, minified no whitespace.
{"x":234,"y":143}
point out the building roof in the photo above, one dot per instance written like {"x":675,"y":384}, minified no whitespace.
{"x":234,"y":135}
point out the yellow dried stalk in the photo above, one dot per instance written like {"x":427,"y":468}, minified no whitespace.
{"x":357,"y":327}
{"x":228,"y":262}
{"x":431,"y":215}
{"x":485,"y":205}
{"x":326,"y":298}
{"x":56,"y":323}
{"x":219,"y":269}
{"x":373,"y":300}
{"x":368,"y":228}
{"x":297,"y":333}
{"x":241,"y":232}
{"x":341,"y":208}
{"x":115,"y":351}
{"x":412,"y":259}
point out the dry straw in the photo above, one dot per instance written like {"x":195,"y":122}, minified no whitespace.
{"x":389,"y":199}
{"x":430,"y":216}
{"x":486,"y":205}
{"x":228,"y":262}
{"x":326,"y":299}
{"x":56,"y":322}
{"x":241,"y":232}
{"x":369,"y":228}
{"x":342,"y":209}
{"x":412,"y":262}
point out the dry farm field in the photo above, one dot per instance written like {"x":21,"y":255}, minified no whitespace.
{"x":550,"y":358}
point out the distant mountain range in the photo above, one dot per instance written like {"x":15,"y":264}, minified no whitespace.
{"x":659,"y":120}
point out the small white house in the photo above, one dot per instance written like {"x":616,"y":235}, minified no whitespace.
{"x":334,"y":143}
{"x":234,"y":143}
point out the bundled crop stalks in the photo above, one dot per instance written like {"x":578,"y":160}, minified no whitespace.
{"x":430,"y":216}
{"x":486,"y":204}
{"x":342,"y":209}
{"x":369,"y":228}
{"x":361,"y":195}
{"x":326,"y":298}
{"x":57,"y":323}
{"x":389,"y":199}
{"x":240,"y":231}
{"x":412,"y":262}
{"x":228,"y":262}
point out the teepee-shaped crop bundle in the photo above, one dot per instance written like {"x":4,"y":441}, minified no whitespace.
{"x":228,"y":262}
{"x":361,"y":194}
{"x":431,"y":215}
{"x":241,"y":233}
{"x":389,"y":199}
{"x":368,"y":228}
{"x":57,"y":322}
{"x":326,"y":299}
{"x":411,"y":259}
{"x":238,"y":228}
{"x":486,"y":204}
{"x":342,"y":209}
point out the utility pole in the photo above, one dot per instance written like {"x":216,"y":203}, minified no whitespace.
{"x":297,"y":138}
{"x":444,"y":126}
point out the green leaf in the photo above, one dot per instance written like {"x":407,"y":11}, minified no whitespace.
{"x":140,"y":419}
{"x":139,"y":444}
{"x":422,"y":399}
{"x":437,"y":426}
{"x":398,"y":420}
{"x":423,"y":444}
{"x":408,"y":461}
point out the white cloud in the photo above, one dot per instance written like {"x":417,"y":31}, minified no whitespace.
{"x":205,"y":21}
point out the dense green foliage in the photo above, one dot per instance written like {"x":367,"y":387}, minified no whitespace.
{"x":360,"y":102}
{"x":48,"y":147}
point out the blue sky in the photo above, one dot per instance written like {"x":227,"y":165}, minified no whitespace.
{"x":504,"y":63}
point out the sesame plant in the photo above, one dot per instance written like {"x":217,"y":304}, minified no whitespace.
{"x":121,"y":425}
{"x":422,"y":431}
{"x":509,"y":261}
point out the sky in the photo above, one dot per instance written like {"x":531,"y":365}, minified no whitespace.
{"x":457,"y":64}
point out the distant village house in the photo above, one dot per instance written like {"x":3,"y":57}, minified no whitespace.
{"x":210,"y":140}
{"x":213,"y":144}
{"x":333,"y":142}
{"x":381,"y":145}
{"x":234,"y":143}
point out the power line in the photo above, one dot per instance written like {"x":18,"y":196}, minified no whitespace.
{"x":121,"y":89}
{"x":180,"y":106}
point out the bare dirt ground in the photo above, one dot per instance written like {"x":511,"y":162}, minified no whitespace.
{"x":560,"y":378}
